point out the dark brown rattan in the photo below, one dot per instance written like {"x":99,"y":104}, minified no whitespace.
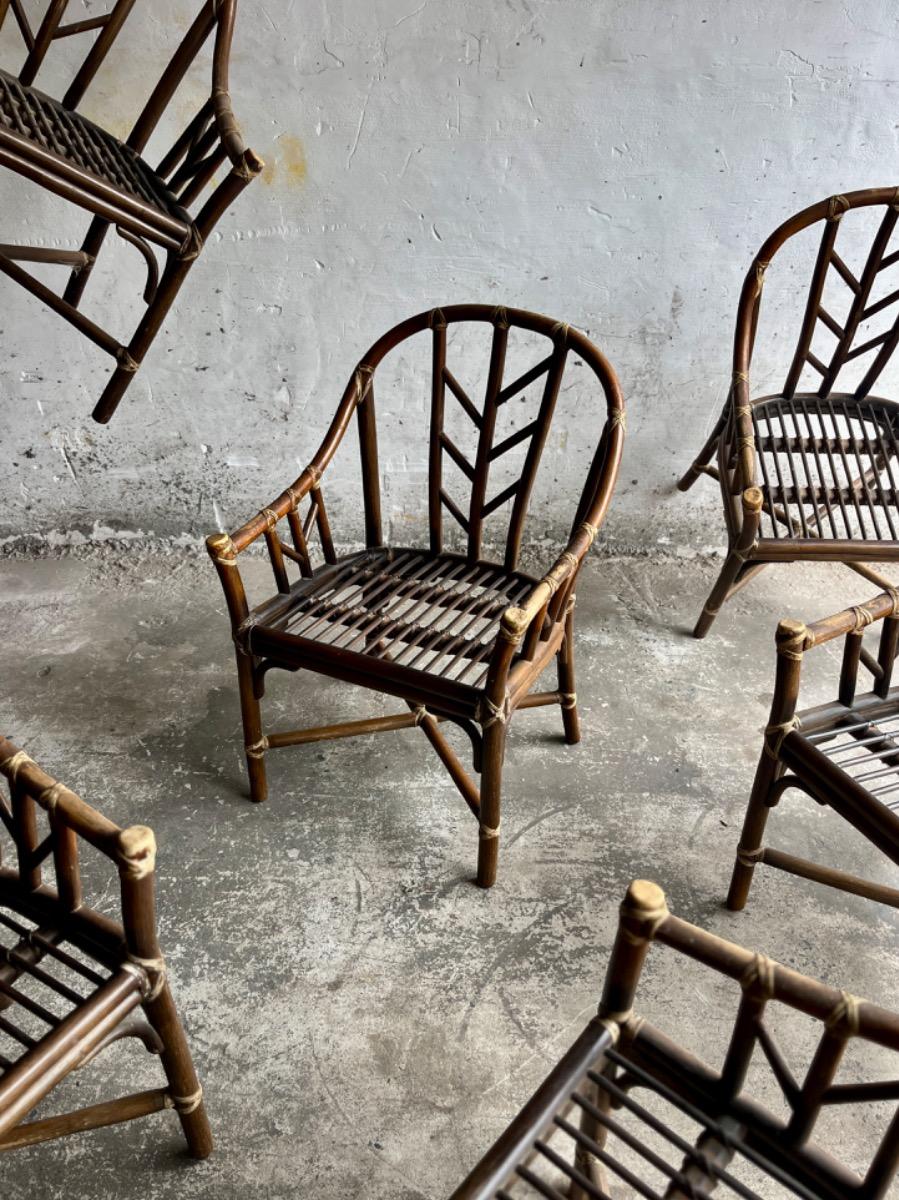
{"x":628,"y":1108}
{"x":844,"y":755}
{"x":50,"y":143}
{"x":811,"y":475}
{"x":71,"y":980}
{"x":454,"y":635}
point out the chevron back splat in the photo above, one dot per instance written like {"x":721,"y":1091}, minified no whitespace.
{"x":852,"y":311}
{"x":477,"y":462}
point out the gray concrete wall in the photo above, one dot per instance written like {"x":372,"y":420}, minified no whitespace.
{"x":613,"y":164}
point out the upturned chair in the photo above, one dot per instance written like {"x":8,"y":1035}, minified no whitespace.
{"x":72,"y":981}
{"x":457,"y":636}
{"x":155,"y":209}
{"x":844,"y":755}
{"x":812,"y":474}
{"x":627,"y":1103}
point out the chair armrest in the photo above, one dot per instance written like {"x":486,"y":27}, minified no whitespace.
{"x":850,"y":620}
{"x":517,"y":619}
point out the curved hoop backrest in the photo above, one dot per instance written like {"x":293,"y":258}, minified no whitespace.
{"x":471,"y":512}
{"x":848,"y":341}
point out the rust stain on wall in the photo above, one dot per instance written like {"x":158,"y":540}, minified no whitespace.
{"x":288,"y":164}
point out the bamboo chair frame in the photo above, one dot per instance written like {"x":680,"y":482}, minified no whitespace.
{"x":63,"y":949}
{"x":843,"y":755}
{"x":50,"y":143}
{"x":530,"y":620}
{"x":619,"y":1053}
{"x":830,"y":493}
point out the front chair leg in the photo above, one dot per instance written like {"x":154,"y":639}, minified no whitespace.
{"x":254,"y":741}
{"x":718,"y":594}
{"x":184,"y":1088}
{"x":491,"y":784}
{"x":568,"y":694}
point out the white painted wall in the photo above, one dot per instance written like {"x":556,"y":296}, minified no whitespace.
{"x":613,"y":163}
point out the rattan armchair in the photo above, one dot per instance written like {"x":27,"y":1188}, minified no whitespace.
{"x":71,"y":979}
{"x":843,"y":755}
{"x":165,"y":211}
{"x":812,"y":475}
{"x":629,"y":1112}
{"x":457,"y":636}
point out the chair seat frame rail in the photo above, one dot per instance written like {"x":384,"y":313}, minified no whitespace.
{"x":73,"y":981}
{"x":493,"y":627}
{"x":811,"y":475}
{"x":618,"y":1109}
{"x":843,"y":755}
{"x":167,"y":213}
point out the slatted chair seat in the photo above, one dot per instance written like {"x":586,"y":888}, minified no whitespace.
{"x":165,"y":212}
{"x":36,"y":128}
{"x":72,"y":979}
{"x":828,"y":467}
{"x":457,"y":636}
{"x":418,"y":614}
{"x":812,"y":473}
{"x":628,"y":1111}
{"x":843,"y":754}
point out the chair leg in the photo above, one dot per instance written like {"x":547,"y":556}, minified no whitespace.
{"x":568,"y":701}
{"x":184,"y":1086}
{"x":169,"y":286}
{"x":749,"y":849}
{"x":91,"y":245}
{"x":718,"y":594}
{"x":254,"y":742}
{"x":693,"y":472}
{"x":491,"y":784}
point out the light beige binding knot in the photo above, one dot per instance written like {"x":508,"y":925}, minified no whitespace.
{"x":863,"y":617}
{"x":257,"y":749}
{"x":560,"y":330}
{"x":758,"y":978}
{"x":420,"y":713}
{"x":775,"y":734}
{"x":741,"y":377}
{"x":569,"y":700}
{"x":486,"y":834}
{"x":590,"y":530}
{"x":49,"y":797}
{"x":487,"y":713}
{"x":500,"y":317}
{"x":618,"y":420}
{"x":792,"y":640}
{"x":187,"y":1104}
{"x":744,"y":555}
{"x":137,"y":852}
{"x":12,"y":765}
{"x":362,"y":380}
{"x":749,"y":858}
{"x":760,"y":269}
{"x":743,"y":410}
{"x":154,"y":970}
{"x":894,"y":597}
{"x":836,"y":206}
{"x":843,"y":1018}
{"x":271,"y":517}
{"x":437,"y":320}
{"x":613,"y":1023}
{"x":126,"y":361}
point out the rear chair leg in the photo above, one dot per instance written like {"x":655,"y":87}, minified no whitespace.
{"x":693,"y":472}
{"x":568,"y":694}
{"x":184,"y":1086}
{"x":491,"y":784}
{"x":750,"y":848}
{"x":254,"y":741}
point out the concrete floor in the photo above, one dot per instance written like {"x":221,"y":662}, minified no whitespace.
{"x":364,"y":1019}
